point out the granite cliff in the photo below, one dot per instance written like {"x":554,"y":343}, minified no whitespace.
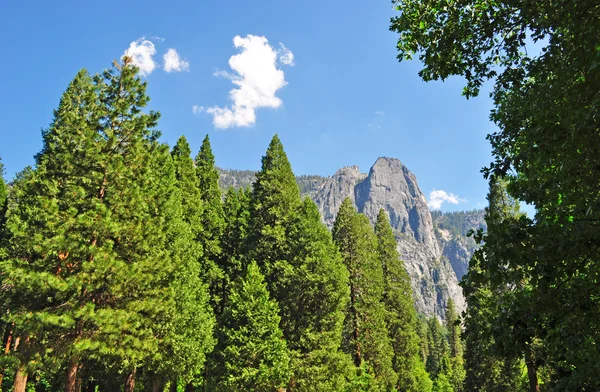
{"x":435,"y":251}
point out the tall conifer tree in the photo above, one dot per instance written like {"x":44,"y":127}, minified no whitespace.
{"x":92,"y":256}
{"x":211,"y":220}
{"x":401,"y":314}
{"x":190,"y":336}
{"x":252,"y":354}
{"x":456,"y":347}
{"x":303,"y":271}
{"x":236,"y":211}
{"x":366,"y":336}
{"x":487,"y":365}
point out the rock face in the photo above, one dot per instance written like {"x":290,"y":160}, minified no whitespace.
{"x":451,"y":231}
{"x":391,"y":186}
{"x":433,"y":245}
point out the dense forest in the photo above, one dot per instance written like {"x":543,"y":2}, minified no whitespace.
{"x":124,"y":265}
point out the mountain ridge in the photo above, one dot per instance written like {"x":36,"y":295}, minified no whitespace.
{"x":432,"y":244}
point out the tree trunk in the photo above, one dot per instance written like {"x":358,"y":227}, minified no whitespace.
{"x":71,"y":380}
{"x":356,"y":333}
{"x":157,"y":385}
{"x":531,"y":372}
{"x":91,"y":386}
{"x":20,"y":379}
{"x":130,"y":381}
{"x":173,"y":387}
{"x":189,"y":387}
{"x":8,"y":336}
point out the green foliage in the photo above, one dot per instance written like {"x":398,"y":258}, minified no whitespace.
{"x":366,"y":335}
{"x":399,"y":305}
{"x":457,"y":376}
{"x":442,"y":384}
{"x":252,"y":354}
{"x":437,"y":359}
{"x":303,"y":271}
{"x":190,"y":336}
{"x":495,"y":290}
{"x":211,"y":220}
{"x":545,"y":107}
{"x":97,"y":256}
{"x":236,"y":213}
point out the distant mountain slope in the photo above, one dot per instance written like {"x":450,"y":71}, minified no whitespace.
{"x":433,"y":245}
{"x":452,"y":229}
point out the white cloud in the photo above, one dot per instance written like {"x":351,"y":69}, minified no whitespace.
{"x":141,"y":52}
{"x":380,"y":113}
{"x":438,"y":197}
{"x":286,"y":56}
{"x":257,"y":78}
{"x":174,"y":63}
{"x":197,"y":109}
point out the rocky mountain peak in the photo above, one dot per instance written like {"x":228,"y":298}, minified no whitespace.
{"x":434,"y":256}
{"x":391,"y":186}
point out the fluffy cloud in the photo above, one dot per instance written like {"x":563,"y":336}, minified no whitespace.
{"x":286,"y":56}
{"x":141,"y":52}
{"x":439,"y":197}
{"x":174,"y":63}
{"x":255,"y":73}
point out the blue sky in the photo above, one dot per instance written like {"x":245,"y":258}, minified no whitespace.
{"x":344,"y":100}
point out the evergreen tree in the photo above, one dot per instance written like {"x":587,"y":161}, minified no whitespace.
{"x":398,"y":299}
{"x":3,"y":191}
{"x":190,"y":334}
{"x":315,"y":296}
{"x":275,"y":198}
{"x":496,"y":293}
{"x":303,"y":271}
{"x":366,"y":337}
{"x":456,"y":347}
{"x":236,"y":213}
{"x":211,"y":221}
{"x":91,"y":255}
{"x":252,"y":353}
{"x":438,"y":358}
{"x":442,"y":384}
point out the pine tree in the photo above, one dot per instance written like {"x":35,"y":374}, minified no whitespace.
{"x":236,"y":211}
{"x":303,"y":271}
{"x":252,"y":353}
{"x":190,"y":334}
{"x":438,"y":359}
{"x":92,"y":257}
{"x":398,"y":299}
{"x":275,"y":198}
{"x":494,"y":349}
{"x":3,"y":190}
{"x":366,"y":336}
{"x":456,"y":347}
{"x":211,"y":220}
{"x":314,"y":299}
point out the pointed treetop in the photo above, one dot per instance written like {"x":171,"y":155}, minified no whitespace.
{"x":205,"y":156}
{"x":208,"y":176}
{"x":382,"y":226}
{"x":344,"y":216}
{"x":275,"y":191}
{"x":182,"y":148}
{"x":276,"y":158}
